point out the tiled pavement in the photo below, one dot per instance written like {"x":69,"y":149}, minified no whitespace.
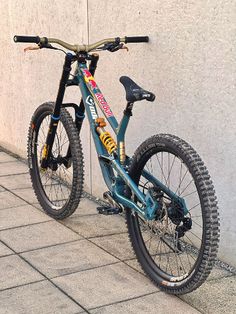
{"x":81,"y":265}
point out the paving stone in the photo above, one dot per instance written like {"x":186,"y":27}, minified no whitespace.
{"x":10,"y":168}
{"x":135,"y":264}
{"x":37,"y":298}
{"x":14,"y":271}
{"x":159,"y":302}
{"x":218,"y":272}
{"x":4,"y":157}
{"x":27,"y":194}
{"x":214,"y":297}
{"x":7,"y":200}
{"x":20,"y":181}
{"x":96,"y":225}
{"x":4,"y":250}
{"x":21,"y":216}
{"x":37,"y":236}
{"x":105,"y":285}
{"x":86,"y":207}
{"x":2,"y":188}
{"x":118,"y":245}
{"x":67,"y":258}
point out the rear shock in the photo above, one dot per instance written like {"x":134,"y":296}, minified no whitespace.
{"x":105,"y":136}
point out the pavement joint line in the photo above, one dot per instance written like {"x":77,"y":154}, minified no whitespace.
{"x":47,"y":278}
{"x":28,"y":225}
{"x":49,"y":246}
{"x":9,"y":161}
{"x":14,"y":206}
{"x":55,"y":285}
{"x":16,"y":174}
{"x":6,"y":255}
{"x":5,"y":150}
{"x":190,"y":304}
{"x":22,"y":285}
{"x":76,"y":231}
{"x":120,"y":260}
{"x":106,"y":235}
{"x":125,"y":300}
{"x":14,"y":189}
{"x":13,"y":174}
{"x":87,"y":269}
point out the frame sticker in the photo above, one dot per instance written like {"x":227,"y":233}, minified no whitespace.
{"x":89,"y":79}
{"x":89,"y":101}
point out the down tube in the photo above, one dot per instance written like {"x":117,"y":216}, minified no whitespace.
{"x":91,"y":111}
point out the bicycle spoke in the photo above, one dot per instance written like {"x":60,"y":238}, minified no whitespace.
{"x":170,"y":254}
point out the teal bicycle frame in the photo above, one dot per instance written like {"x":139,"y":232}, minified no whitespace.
{"x":117,"y":184}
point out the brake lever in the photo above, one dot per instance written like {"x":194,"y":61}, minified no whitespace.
{"x":48,"y":46}
{"x":113,"y":47}
{"x":31,"y":48}
{"x":41,"y":46}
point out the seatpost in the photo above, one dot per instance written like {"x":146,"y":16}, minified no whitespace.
{"x":55,"y":117}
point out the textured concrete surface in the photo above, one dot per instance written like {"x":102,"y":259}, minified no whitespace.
{"x":118,"y":244}
{"x":58,"y":267}
{"x":37,"y":298}
{"x":4,"y":250}
{"x":93,"y":226}
{"x":127,"y":284}
{"x":72,"y":257}
{"x":12,"y":168}
{"x":37,"y":236}
{"x":220,"y":296}
{"x":14,"y":271}
{"x":20,"y":216}
{"x":9,"y":200}
{"x":151,"y":304}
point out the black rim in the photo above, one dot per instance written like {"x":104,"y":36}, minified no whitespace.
{"x":55,"y":184}
{"x":173,"y":258}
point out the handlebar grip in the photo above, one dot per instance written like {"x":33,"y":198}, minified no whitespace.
{"x":137,"y":39}
{"x":26,"y":39}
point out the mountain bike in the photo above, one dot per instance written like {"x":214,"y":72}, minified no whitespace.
{"x":164,"y":190}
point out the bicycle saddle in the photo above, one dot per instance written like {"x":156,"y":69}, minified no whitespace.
{"x":135,"y":92}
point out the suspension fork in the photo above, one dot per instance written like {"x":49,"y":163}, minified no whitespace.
{"x":55,"y":117}
{"x":79,"y":115}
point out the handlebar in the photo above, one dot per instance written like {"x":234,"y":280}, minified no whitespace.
{"x":79,"y":48}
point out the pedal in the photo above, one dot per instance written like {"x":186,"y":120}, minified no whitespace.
{"x":107,"y":210}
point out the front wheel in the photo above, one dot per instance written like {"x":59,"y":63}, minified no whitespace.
{"x":59,"y":186}
{"x":176,"y":249}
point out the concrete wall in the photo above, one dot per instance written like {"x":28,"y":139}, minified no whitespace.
{"x":189,"y":64}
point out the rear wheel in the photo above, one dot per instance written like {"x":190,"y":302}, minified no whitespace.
{"x":176,"y":249}
{"x":58,"y":187}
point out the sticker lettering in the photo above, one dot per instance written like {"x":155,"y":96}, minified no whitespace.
{"x":99,"y":96}
{"x":89,"y":101}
